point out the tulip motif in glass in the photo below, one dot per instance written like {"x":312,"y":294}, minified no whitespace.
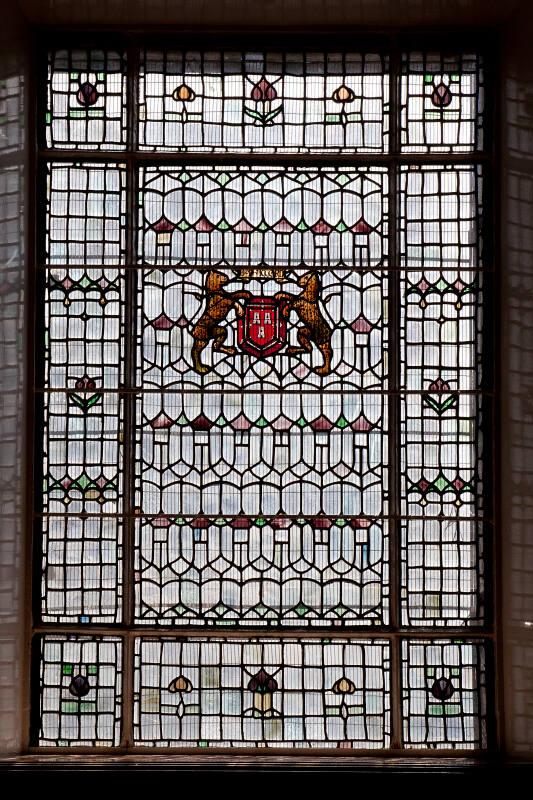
{"x":349,"y":106}
{"x":262,"y":685}
{"x":263,"y":94}
{"x":180,"y":686}
{"x":443,"y":693}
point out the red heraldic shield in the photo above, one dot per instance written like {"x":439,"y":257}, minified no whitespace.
{"x":262,"y":331}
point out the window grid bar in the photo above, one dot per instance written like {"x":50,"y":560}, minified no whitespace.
{"x":383,"y":632}
{"x":200,"y":158}
{"x":139,"y":390}
{"x":394,"y":407}
{"x":129,"y":401}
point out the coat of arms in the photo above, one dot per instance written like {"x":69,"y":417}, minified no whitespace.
{"x":262,"y":322}
{"x":262,"y":329}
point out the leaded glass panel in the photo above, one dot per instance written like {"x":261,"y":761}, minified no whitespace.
{"x":86,"y":100}
{"x":254,"y":101}
{"x":280,"y":693}
{"x":81,"y":678}
{"x":443,"y":690}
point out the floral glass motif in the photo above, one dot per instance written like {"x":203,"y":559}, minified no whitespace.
{"x":88,"y":396}
{"x":263,"y":94}
{"x":87,"y":94}
{"x":236,"y":430}
{"x":440,"y":89}
{"x":344,"y":96}
{"x":262,"y":686}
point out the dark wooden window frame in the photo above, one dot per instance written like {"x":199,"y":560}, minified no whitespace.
{"x":391,"y":42}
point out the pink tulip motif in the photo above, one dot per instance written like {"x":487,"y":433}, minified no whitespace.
{"x":441,"y":96}
{"x":263,"y":94}
{"x":87,"y":94}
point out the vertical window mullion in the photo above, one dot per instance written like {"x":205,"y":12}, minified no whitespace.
{"x":129,"y":398}
{"x":394,"y":400}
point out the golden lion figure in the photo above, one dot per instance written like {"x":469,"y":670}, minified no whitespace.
{"x":219,"y":303}
{"x":315,"y":329}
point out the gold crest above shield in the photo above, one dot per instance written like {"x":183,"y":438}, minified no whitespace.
{"x":262,"y":272}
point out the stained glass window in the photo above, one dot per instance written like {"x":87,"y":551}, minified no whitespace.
{"x":262,"y":398}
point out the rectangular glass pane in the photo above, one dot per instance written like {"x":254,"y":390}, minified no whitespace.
{"x":443,"y":690}
{"x":80,"y":687}
{"x":82,"y":460}
{"x":261,"y":572}
{"x":269,"y":232}
{"x":442,"y":572}
{"x":82,"y":426}
{"x":442,"y":103}
{"x":440,"y":225}
{"x":86,"y":214}
{"x":257,"y":101}
{"x":83,"y":415}
{"x":441,"y":341}
{"x":81,"y":569}
{"x":271,"y":217}
{"x":262,"y":692}
{"x":267,"y":472}
{"x":173,"y":321}
{"x":86,"y":101}
{"x":13,"y":103}
{"x":84,"y":336}
{"x":12,"y":239}
{"x":316,"y":456}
